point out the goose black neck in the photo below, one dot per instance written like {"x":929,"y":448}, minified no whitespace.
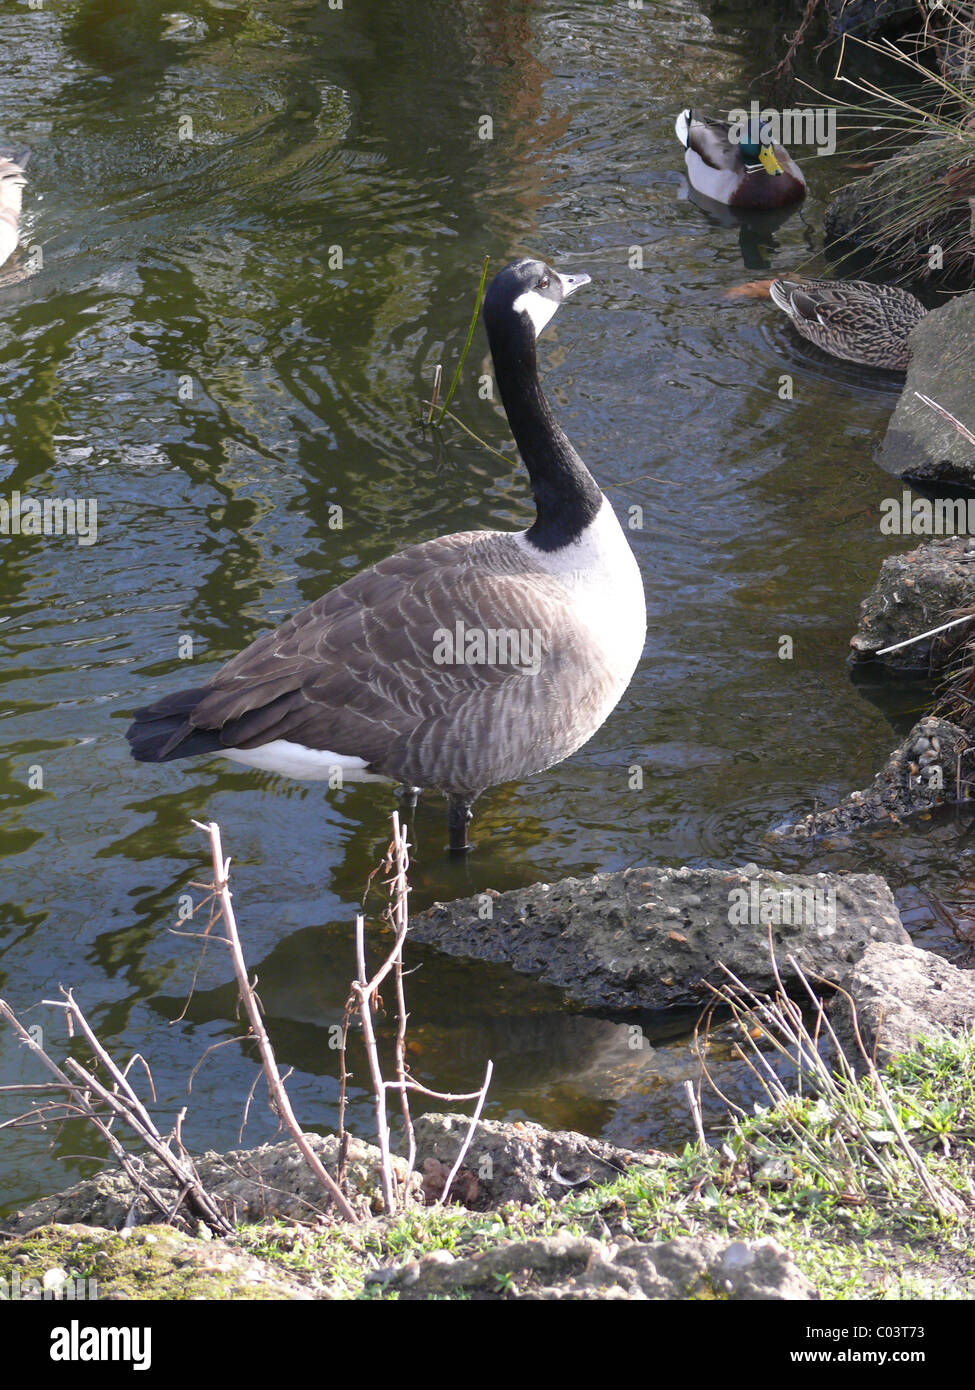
{"x":566,"y":495}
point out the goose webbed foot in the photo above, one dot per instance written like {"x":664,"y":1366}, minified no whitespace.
{"x":459,"y":817}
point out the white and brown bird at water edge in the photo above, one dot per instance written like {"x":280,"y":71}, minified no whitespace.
{"x":363,"y":679}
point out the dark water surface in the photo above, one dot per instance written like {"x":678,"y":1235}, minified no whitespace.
{"x":191,"y":356}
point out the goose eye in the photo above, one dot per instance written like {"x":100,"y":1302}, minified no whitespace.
{"x":544,"y":283}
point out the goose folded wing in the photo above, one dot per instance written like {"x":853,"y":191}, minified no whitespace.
{"x":363,"y":668}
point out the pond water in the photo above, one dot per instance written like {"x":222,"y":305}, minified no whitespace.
{"x":191,"y":355}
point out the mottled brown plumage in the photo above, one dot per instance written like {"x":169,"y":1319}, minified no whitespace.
{"x":853,"y":319}
{"x":354,"y":673}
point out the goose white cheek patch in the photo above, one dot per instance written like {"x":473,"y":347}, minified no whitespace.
{"x":538,"y":307}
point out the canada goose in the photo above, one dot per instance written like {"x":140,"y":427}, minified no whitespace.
{"x":458,"y":663}
{"x":747,"y":174}
{"x":852,"y":319}
{"x":12,"y":181}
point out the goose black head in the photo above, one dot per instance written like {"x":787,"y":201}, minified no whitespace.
{"x":529,"y":290}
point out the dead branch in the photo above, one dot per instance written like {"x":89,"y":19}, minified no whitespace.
{"x":278,"y":1096}
{"x":120,"y":1101}
{"x":363,"y":993}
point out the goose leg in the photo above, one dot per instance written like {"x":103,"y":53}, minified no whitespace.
{"x":458,"y":819}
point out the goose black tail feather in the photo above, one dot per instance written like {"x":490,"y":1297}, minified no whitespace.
{"x":162,"y":731}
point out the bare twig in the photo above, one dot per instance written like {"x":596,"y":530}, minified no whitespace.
{"x":278,"y":1096}
{"x":489,"y":1071}
{"x":119,"y":1101}
{"x":779,"y":1021}
{"x":695,"y":1109}
{"x":932,"y":632}
{"x":363,"y":992}
{"x":963,"y":430}
{"x":398,"y":916}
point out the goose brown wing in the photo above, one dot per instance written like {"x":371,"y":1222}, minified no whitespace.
{"x":355,"y":672}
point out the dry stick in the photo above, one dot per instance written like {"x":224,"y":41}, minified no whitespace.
{"x":932,"y":632}
{"x":412,"y":1085}
{"x":125,"y":1104}
{"x":128,"y":1164}
{"x":946,"y":1201}
{"x":60,"y":1109}
{"x":776,"y":1091}
{"x":364,"y":989}
{"x":129,"y":1108}
{"x":726,"y":1100}
{"x":398,"y":912}
{"x":963,"y":430}
{"x":362,"y":992}
{"x":488,"y":1073}
{"x":122,"y":1084}
{"x":695,"y":1109}
{"x":344,"y":1077}
{"x":784,"y":67}
{"x":789,"y":1020}
{"x":278,"y":1095}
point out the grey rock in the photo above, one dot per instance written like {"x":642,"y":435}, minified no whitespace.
{"x":920,"y":445}
{"x":272,"y":1181}
{"x":522,"y":1162}
{"x":916,"y":777}
{"x":650,"y":938}
{"x":565,"y":1267}
{"x":901,"y":994}
{"x":915,"y":592}
{"x":753,"y":1269}
{"x":867,"y":18}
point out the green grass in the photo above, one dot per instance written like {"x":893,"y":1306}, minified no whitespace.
{"x":858,"y":1230}
{"x":918,"y":199}
{"x":867,"y":1181}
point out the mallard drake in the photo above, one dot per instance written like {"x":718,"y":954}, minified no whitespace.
{"x":852,"y":319}
{"x":750,"y":174}
{"x":12,"y":181}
